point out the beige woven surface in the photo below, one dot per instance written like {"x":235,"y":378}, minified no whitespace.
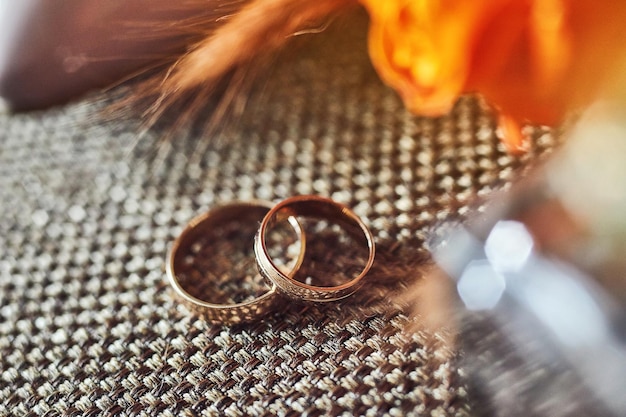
{"x":88,"y":325}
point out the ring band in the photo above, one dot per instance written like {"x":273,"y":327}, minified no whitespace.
{"x":319,"y":208}
{"x":198,"y":227}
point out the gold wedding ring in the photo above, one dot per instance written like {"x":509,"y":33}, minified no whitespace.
{"x":315,"y":207}
{"x":195,"y":242}
{"x":183,"y":246}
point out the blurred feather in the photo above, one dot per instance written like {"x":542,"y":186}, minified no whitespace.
{"x":223,"y":59}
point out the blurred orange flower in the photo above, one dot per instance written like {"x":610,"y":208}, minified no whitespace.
{"x":534,"y":60}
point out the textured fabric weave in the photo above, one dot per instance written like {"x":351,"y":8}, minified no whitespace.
{"x":88,"y":324}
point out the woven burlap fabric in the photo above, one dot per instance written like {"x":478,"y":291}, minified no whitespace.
{"x":88,"y":324}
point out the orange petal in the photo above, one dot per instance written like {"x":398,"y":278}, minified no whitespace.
{"x":512,"y":136}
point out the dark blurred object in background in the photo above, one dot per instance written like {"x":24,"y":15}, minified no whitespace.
{"x":53,"y":51}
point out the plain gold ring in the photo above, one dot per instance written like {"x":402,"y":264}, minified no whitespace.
{"x":235,"y":312}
